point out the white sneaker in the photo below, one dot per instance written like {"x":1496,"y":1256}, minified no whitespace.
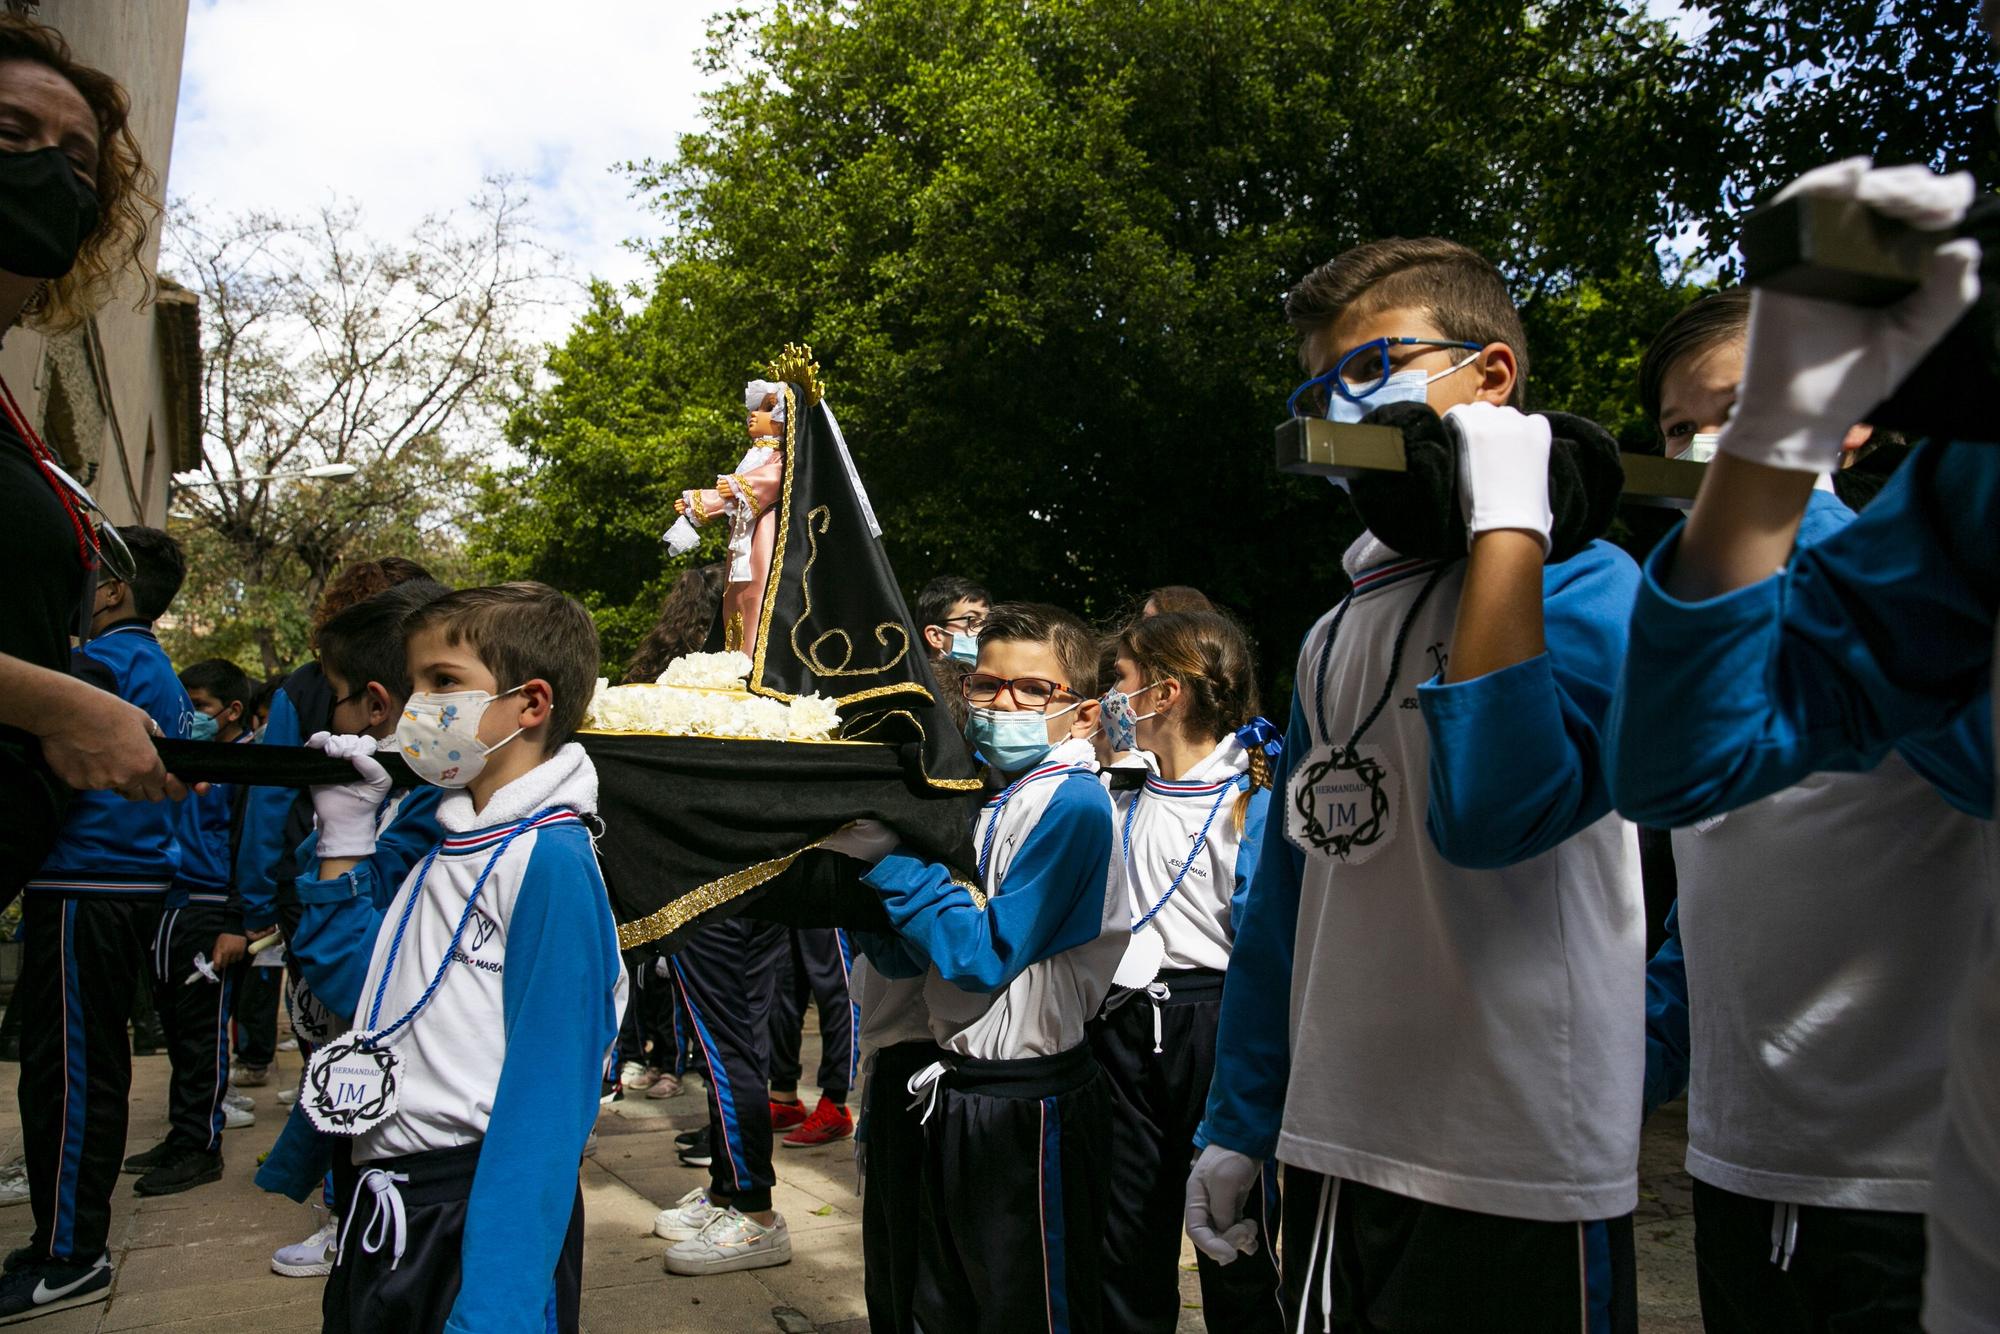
{"x":289,"y":1044}
{"x":634,"y":1076}
{"x":236,"y":1118}
{"x":311,"y":1258}
{"x":241,"y":1101}
{"x":286,"y":1097}
{"x":665,"y":1085}
{"x":13,"y":1188}
{"x":686,"y":1218}
{"x":731,"y":1241}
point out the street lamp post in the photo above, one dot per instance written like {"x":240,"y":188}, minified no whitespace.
{"x":324,"y":472}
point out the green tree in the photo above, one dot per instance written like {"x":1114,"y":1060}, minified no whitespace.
{"x":1791,"y":86}
{"x":322,"y":345}
{"x":1039,"y":250}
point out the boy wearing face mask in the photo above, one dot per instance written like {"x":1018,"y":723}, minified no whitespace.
{"x":1432,"y":1012}
{"x":88,"y":917}
{"x":198,"y":953}
{"x":366,"y":667}
{"x":1015,"y":1113}
{"x":951,"y":610}
{"x":1798,"y":955}
{"x":485,"y":995}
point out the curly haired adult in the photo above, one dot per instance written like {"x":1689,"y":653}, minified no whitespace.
{"x":127,"y":202}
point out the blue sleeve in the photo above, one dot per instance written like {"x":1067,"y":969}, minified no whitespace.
{"x":1667,"y":1042}
{"x":265,"y":811}
{"x":1958,"y":760}
{"x":1051,"y":900}
{"x":560,"y":1005}
{"x":1517,"y":756}
{"x":339,"y":918}
{"x":298,"y":1163}
{"x":1247,"y":849}
{"x":1253,"y":1051}
{"x":1880,"y":632}
{"x":338,"y":922}
{"x":891,"y":956}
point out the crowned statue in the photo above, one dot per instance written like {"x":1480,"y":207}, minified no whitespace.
{"x":810,"y":706}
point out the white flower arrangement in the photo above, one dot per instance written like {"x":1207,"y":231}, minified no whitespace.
{"x":707,"y":671}
{"x":685,"y":703}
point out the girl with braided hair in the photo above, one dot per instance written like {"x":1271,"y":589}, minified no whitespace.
{"x":1185,"y":840}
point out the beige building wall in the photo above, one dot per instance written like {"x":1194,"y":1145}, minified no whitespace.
{"x":120,"y":399}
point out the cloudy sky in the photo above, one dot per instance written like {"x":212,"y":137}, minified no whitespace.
{"x":405,"y":107}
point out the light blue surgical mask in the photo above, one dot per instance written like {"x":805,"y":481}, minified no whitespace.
{"x":202,"y":726}
{"x":1402,"y":387}
{"x":964,"y":648}
{"x":1011,"y":741}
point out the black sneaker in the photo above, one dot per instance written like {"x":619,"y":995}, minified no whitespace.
{"x":22,"y":1256}
{"x":141,"y":1163}
{"x":35,"y":1290}
{"x":187,"y":1169}
{"x":695,"y":1148}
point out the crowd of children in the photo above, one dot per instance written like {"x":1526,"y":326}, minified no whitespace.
{"x":1362,"y":1007}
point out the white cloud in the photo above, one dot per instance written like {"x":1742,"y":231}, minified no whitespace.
{"x":405,"y":107}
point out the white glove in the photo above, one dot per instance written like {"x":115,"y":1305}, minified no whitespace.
{"x":1815,"y":368}
{"x":864,"y":840}
{"x":1218,"y":1188}
{"x":1503,"y":469}
{"x":347,"y":811}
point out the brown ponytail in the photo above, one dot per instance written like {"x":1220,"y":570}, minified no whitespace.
{"x":1208,"y":653}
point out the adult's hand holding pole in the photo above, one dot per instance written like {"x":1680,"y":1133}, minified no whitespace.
{"x":94,"y":740}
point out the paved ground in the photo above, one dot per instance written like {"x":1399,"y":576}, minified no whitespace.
{"x":185,"y":1260}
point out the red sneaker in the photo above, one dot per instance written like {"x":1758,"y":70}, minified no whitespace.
{"x":785,"y":1115}
{"x":830,"y":1121}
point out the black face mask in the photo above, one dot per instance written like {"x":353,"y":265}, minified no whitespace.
{"x":46,"y":213}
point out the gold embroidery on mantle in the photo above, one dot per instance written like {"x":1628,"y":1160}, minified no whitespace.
{"x":818,"y":520}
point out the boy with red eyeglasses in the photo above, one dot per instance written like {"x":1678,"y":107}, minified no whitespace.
{"x":1015,"y":1114}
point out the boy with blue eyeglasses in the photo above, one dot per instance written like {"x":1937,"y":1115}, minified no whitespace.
{"x":1432,"y":1014}
{"x":1015,"y":1112}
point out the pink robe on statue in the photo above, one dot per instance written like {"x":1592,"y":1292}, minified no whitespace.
{"x":745,"y":597}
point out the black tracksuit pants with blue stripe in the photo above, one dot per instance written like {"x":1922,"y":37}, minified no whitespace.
{"x":1358,"y":1259}
{"x":1015,"y":1180}
{"x":82,"y":960}
{"x":728,"y":975}
{"x":194,"y":1016}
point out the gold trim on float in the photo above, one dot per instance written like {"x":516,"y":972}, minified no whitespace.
{"x":714,"y":894}
{"x":714,"y":736}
